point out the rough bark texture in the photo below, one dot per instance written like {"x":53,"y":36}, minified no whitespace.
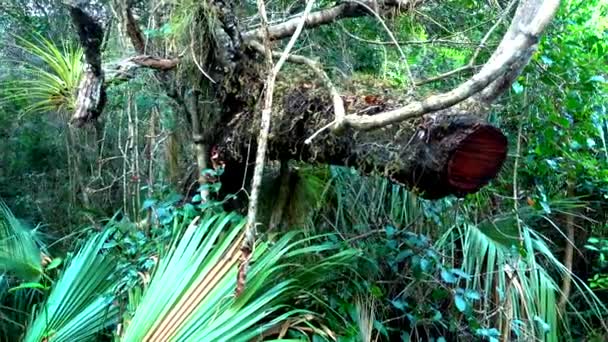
{"x":454,"y":154}
{"x":439,"y":145}
{"x":340,"y":11}
{"x":91,"y":92}
{"x":133,"y":31}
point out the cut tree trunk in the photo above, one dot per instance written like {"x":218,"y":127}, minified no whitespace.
{"x":437,"y":146}
{"x":454,"y":153}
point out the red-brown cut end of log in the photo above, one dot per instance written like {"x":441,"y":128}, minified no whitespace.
{"x":477,"y":159}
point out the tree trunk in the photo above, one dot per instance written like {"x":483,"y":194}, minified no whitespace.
{"x":452,"y":154}
{"x":438,"y":146}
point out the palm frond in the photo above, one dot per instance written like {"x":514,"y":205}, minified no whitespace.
{"x":365,"y":201}
{"x":19,"y":253}
{"x":191,"y":294}
{"x":81,"y":302}
{"x":365,"y":318}
{"x":515,"y":276}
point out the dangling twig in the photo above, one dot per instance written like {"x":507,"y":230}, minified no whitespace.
{"x":250,"y":231}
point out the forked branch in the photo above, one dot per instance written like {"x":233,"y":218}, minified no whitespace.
{"x":515,"y":50}
{"x":337,"y":101}
{"x":471,"y":64}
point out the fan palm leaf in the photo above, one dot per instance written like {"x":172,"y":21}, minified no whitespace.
{"x":514,"y":273}
{"x":191,"y":294}
{"x":19,"y":253}
{"x":81,"y":302}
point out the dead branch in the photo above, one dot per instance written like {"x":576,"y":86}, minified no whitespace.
{"x":566,"y":287}
{"x":91,"y":96}
{"x":325,"y":16}
{"x":117,"y":72}
{"x":514,"y":52}
{"x":133,"y":30}
{"x":273,"y":71}
{"x":434,"y":41}
{"x":156,"y":63}
{"x":471,"y":64}
{"x":338,"y":103}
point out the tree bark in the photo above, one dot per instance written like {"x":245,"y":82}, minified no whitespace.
{"x":325,"y":16}
{"x":91,"y":97}
{"x":454,"y":154}
{"x":438,"y":146}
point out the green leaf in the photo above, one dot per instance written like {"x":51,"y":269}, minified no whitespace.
{"x":460,"y":273}
{"x":598,"y":78}
{"x":425,"y":265}
{"x":404,"y":255}
{"x":54,"y":264}
{"x":472,"y":294}
{"x":461,"y":303}
{"x":399,"y":304}
{"x":448,"y":276}
{"x":544,"y":325}
{"x":546,"y":60}
{"x":29,"y":285}
{"x":148,"y":203}
{"x":80,"y":303}
{"x":517,"y":87}
{"x":19,"y":253}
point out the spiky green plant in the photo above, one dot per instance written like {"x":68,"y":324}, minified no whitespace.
{"x":364,"y":201}
{"x":191,"y":295}
{"x":505,"y":272}
{"x":514,"y":272}
{"x":19,"y":253}
{"x":81,"y":302}
{"x":51,"y":76}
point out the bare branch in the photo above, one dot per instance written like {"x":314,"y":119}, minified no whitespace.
{"x":338,"y":103}
{"x":445,"y":75}
{"x":517,"y":46}
{"x":273,"y":70}
{"x":133,"y":30}
{"x":343,"y":10}
{"x":123,"y":70}
{"x":482,"y":44}
{"x":438,"y":41}
{"x":153,"y":62}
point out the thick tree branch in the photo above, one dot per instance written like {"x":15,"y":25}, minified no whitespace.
{"x":514,"y":52}
{"x":452,"y":154}
{"x":533,"y":15}
{"x":346,"y":9}
{"x":133,"y":30}
{"x":91,"y":96}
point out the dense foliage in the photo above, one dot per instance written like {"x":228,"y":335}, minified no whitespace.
{"x":105,"y":234}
